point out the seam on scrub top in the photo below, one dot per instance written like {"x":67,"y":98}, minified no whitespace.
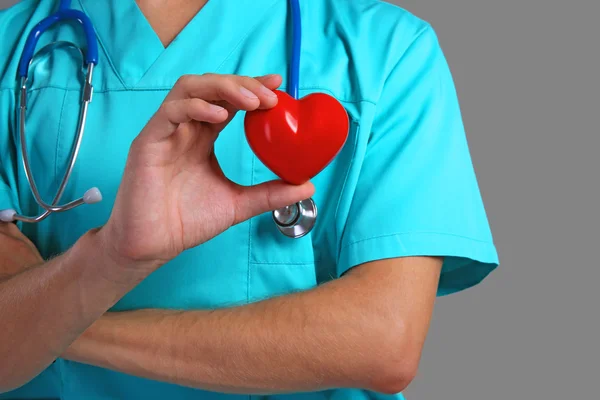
{"x":427,"y":26}
{"x":60,"y":120}
{"x":40,"y":88}
{"x":243,"y":39}
{"x":123,"y":89}
{"x":166,"y":89}
{"x":289,"y":264}
{"x":249,"y":273}
{"x":106,"y":54}
{"x":357,"y":124}
{"x":337,"y":206}
{"x":323,"y":89}
{"x":416,"y":233}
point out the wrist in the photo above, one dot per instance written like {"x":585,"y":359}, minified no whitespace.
{"x":117,"y":267}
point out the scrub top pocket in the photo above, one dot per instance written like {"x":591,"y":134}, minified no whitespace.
{"x":280,"y":265}
{"x":267,"y":244}
{"x":277,"y":264}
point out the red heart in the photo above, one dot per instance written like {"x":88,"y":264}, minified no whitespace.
{"x":297,"y":139}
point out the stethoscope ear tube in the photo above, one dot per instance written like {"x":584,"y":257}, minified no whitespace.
{"x":91,"y":196}
{"x":90,"y":58}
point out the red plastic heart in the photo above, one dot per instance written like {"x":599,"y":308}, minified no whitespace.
{"x":297,"y":139}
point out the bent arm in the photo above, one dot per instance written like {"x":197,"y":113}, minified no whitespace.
{"x":365,"y":330}
{"x":45,"y":306}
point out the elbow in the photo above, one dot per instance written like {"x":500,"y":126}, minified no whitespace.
{"x":392,"y":379}
{"x":13,"y":378}
{"x":396,"y":365}
{"x":7,"y":384}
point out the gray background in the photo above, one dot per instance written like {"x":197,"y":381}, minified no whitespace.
{"x":527,"y":77}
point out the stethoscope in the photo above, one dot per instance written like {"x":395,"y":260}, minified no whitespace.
{"x":294,"y":221}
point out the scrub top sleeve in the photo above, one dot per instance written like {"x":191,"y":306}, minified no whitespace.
{"x":417,"y":193}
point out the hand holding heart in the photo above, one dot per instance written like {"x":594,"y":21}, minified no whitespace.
{"x":174,"y":195}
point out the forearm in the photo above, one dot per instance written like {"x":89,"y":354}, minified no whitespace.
{"x":270,"y":347}
{"x":309,"y":341}
{"x":46,"y":307}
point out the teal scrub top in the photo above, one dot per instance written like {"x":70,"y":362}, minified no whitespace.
{"x":403,"y":185}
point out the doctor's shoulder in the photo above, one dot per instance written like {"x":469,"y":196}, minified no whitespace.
{"x":15,"y":24}
{"x":377,"y":34}
{"x":378,"y":17}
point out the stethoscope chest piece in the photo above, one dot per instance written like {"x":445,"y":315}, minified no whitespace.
{"x":297,"y":220}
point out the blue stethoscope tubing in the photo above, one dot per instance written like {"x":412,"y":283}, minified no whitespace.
{"x":90,"y":59}
{"x":294,"y":221}
{"x":64,"y":13}
{"x":294,"y":73}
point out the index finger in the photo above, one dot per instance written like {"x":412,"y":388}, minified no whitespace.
{"x":243,"y":93}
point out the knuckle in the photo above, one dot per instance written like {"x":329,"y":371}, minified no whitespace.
{"x":196,"y":102}
{"x":204,"y":106}
{"x":139,"y":143}
{"x":135,"y":146}
{"x":196,"y":105}
{"x":165,"y":108}
{"x":184,"y":80}
{"x":247,"y":80}
{"x":223,"y":90}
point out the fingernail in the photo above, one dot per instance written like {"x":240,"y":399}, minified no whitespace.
{"x":215,"y":108}
{"x":248,"y":93}
{"x":264,"y":90}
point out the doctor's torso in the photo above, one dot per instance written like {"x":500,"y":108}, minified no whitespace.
{"x":349,"y":48}
{"x":250,"y":261}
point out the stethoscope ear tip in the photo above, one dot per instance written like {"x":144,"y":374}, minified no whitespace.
{"x":8,"y":215}
{"x":92,"y":196}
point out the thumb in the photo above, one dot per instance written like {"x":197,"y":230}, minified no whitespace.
{"x":269,"y":196}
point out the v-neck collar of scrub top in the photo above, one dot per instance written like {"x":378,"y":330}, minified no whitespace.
{"x":135,"y":50}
